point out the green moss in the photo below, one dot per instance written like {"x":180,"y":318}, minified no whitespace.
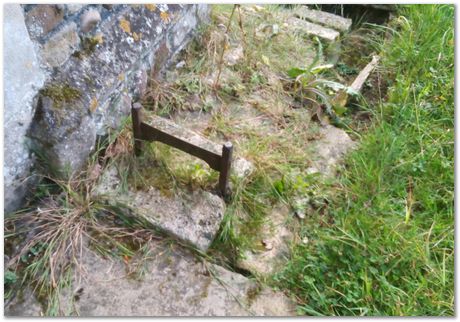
{"x":88,"y":45}
{"x":60,"y":94}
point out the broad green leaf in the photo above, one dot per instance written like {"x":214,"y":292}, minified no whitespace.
{"x":295,"y":72}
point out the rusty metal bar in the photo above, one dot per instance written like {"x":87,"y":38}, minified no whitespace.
{"x":225,"y":166}
{"x":136,"y":115}
{"x":150,"y":133}
{"x":218,"y":162}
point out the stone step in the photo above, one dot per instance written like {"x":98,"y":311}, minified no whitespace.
{"x":174,"y":283}
{"x":323,"y":18}
{"x":313,"y":29}
{"x":193,"y":218}
{"x":272,"y":257}
{"x":275,"y":237}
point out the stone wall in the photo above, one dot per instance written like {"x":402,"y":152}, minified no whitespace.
{"x":71,"y":72}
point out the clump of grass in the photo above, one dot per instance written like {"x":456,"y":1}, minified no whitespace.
{"x":69,"y":219}
{"x":391,"y":248}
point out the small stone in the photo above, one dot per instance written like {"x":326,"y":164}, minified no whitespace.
{"x":242,"y":167}
{"x":312,"y":170}
{"x":331,"y":149}
{"x":312,"y":29}
{"x":267,"y":244}
{"x":300,"y":214}
{"x":43,"y":18}
{"x":267,"y":30}
{"x":222,"y":27}
{"x":233,"y":56}
{"x":180,"y":64}
{"x":89,"y":20}
{"x":58,"y":49}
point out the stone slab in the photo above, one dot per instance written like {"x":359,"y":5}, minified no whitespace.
{"x":273,"y":251}
{"x":174,"y":283}
{"x":22,"y":77}
{"x":193,"y":218}
{"x":324,"y":18}
{"x":331,"y":148}
{"x":313,"y":29}
{"x":101,"y":65}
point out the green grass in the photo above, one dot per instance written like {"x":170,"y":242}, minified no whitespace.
{"x":390,"y":250}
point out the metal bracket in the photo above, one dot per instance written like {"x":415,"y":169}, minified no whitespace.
{"x":164,"y":131}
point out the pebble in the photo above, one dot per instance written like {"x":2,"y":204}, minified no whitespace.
{"x":89,"y":20}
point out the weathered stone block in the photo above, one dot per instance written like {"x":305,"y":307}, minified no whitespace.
{"x":331,"y":148}
{"x":175,"y":284}
{"x":324,"y":18}
{"x":273,"y":250}
{"x":192,"y":218}
{"x":43,"y":18}
{"x":312,"y":29}
{"x":106,"y":68}
{"x":22,"y":80}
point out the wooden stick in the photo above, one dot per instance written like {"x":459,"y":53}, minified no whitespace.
{"x":359,"y":81}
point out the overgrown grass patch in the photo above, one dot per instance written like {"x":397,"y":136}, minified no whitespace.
{"x":391,"y":248}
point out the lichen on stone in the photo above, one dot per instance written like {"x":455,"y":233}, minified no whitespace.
{"x":150,"y":7}
{"x":165,"y":16}
{"x":93,"y":105}
{"x":88,"y":45}
{"x":137,"y":36}
{"x":125,"y":25}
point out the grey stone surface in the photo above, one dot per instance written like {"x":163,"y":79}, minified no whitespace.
{"x":66,"y":133}
{"x":324,"y":18}
{"x":104,"y":68}
{"x":22,"y":80}
{"x":331,"y":149}
{"x":313,"y":29}
{"x":111,"y":115}
{"x":73,"y":8}
{"x":273,"y":250}
{"x":193,"y":218}
{"x":58,"y":49}
{"x":24,"y":304}
{"x":242,"y":167}
{"x":107,"y":67}
{"x":174,"y":283}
